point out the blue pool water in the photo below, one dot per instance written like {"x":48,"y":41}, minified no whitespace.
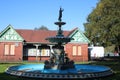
{"x":81,"y":71}
{"x":79,"y":68}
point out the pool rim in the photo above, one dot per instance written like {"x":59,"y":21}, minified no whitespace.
{"x":36,"y":75}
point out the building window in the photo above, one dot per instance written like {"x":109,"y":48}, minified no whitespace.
{"x":32,"y":52}
{"x":9,"y":50}
{"x":6,"y":50}
{"x":74,"y":50}
{"x":40,"y":52}
{"x":45,"y":52}
{"x":79,"y":50}
{"x":12,"y":50}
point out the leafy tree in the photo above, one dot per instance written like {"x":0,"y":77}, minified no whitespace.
{"x":42,"y":28}
{"x":103,"y":24}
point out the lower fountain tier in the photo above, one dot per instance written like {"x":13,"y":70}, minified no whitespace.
{"x":59,"y":66}
{"x":59,"y":39}
{"x":81,"y":71}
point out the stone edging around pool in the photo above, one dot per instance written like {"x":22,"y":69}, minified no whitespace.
{"x":59,"y":76}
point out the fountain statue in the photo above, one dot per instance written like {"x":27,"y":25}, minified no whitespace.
{"x":60,"y":14}
{"x":59,"y":66}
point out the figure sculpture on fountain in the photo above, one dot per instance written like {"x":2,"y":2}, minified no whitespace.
{"x":60,"y":14}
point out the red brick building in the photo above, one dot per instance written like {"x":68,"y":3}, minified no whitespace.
{"x":31,"y":45}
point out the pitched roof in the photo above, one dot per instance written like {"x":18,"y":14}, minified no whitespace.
{"x":39,"y":36}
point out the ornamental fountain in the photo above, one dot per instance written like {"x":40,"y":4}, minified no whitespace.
{"x":59,"y":66}
{"x":59,"y":59}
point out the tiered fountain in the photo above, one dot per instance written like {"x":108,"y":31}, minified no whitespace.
{"x":59,"y":66}
{"x":59,"y":60}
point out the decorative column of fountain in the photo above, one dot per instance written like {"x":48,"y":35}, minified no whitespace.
{"x":59,"y":59}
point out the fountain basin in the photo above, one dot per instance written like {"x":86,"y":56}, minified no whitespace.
{"x":81,"y":71}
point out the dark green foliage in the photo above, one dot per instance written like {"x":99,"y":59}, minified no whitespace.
{"x":103,"y":24}
{"x":41,"y":28}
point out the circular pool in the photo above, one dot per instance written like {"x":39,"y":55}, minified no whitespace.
{"x":81,"y":71}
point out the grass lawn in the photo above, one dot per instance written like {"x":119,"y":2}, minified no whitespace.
{"x":114,"y":65}
{"x":4,"y":66}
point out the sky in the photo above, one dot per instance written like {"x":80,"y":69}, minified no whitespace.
{"x":28,"y":14}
